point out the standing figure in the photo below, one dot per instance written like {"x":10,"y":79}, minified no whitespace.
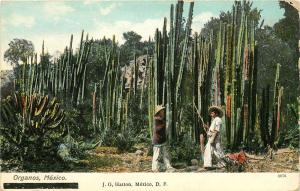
{"x":159,"y":141}
{"x":213,"y":146}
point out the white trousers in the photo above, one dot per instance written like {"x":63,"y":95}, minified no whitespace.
{"x":160,"y":152}
{"x":211,"y":150}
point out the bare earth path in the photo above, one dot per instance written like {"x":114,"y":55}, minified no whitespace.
{"x":108,"y":159}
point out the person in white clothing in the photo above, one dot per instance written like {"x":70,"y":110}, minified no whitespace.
{"x":213,"y":146}
{"x":159,"y":142}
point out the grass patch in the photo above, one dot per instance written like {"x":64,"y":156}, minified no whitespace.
{"x":106,"y":150}
{"x":96,"y":161}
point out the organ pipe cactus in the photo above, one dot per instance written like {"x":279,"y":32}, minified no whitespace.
{"x":167,"y":70}
{"x":65,"y":78}
{"x":235,"y":58}
{"x":277,"y":99}
{"x":202,"y":79}
{"x":270,"y":137}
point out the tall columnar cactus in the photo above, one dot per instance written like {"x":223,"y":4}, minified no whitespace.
{"x":234,"y":81}
{"x":113,"y":99}
{"x":202,"y":79}
{"x":64,"y":78}
{"x":151,"y":101}
{"x":268,"y":137}
{"x":235,"y":59}
{"x":277,"y":98}
{"x":216,"y":89}
{"x":169,"y":65}
{"x":94,"y":98}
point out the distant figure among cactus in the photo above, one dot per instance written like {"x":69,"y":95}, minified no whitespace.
{"x":159,"y":141}
{"x":213,"y":146}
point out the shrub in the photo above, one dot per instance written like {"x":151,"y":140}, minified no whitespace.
{"x":31,"y":126}
{"x":125,"y":141}
{"x":184,"y":150}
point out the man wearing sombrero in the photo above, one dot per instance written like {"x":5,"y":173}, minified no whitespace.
{"x":213,"y":146}
{"x":159,"y":141}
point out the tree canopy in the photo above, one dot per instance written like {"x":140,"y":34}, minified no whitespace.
{"x":19,"y":50}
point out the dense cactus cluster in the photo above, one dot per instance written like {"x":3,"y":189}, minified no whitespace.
{"x":111,"y":103}
{"x":235,"y":74}
{"x":184,"y":70}
{"x":65,"y":78}
{"x":168,"y":66}
{"x":224,"y":72}
{"x":270,"y":131}
{"x":202,"y":67}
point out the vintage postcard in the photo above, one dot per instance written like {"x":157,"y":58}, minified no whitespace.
{"x":149,"y":95}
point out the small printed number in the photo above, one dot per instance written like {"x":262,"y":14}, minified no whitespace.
{"x":281,"y":175}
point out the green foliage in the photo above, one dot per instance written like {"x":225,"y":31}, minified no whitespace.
{"x":7,"y":149}
{"x":31,"y":125}
{"x":213,"y":24}
{"x":137,"y":119}
{"x":279,"y":44}
{"x":103,"y":161}
{"x":184,"y":150}
{"x":287,"y":28}
{"x":272,"y":50}
{"x":183,"y":73}
{"x":134,"y":46}
{"x":96,"y":61}
{"x":125,"y":140}
{"x":19,"y":50}
{"x":136,"y":130}
{"x":167,"y":70}
{"x":290,"y":132}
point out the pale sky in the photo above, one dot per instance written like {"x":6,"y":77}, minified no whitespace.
{"x":55,"y":21}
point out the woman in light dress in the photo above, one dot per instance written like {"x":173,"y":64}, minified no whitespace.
{"x":213,"y":146}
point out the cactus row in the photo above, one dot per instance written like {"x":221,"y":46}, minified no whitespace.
{"x":234,"y":76}
{"x":65,"y":78}
{"x":238,"y":62}
{"x":202,"y":66}
{"x":223,"y":72}
{"x":110,"y":98}
{"x":270,"y":132}
{"x":168,"y":67}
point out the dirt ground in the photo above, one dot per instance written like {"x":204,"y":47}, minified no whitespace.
{"x":108,"y":159}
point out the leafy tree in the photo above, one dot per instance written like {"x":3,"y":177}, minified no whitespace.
{"x":132,"y":39}
{"x":19,"y":50}
{"x":287,"y":28}
{"x":272,"y":50}
{"x":96,"y":60}
{"x":133,"y":45}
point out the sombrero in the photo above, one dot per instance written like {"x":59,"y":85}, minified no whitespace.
{"x":158,"y":108}
{"x":216,"y":109}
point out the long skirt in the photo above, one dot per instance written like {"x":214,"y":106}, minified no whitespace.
{"x":213,"y":150}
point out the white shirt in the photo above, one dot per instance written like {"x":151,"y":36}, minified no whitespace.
{"x":215,"y":125}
